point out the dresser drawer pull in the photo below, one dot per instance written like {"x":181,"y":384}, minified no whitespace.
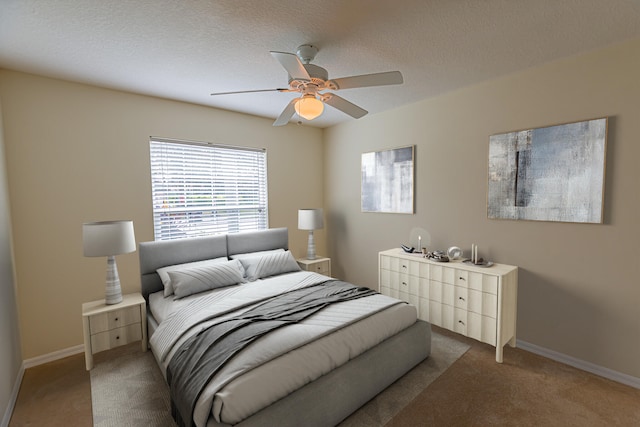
{"x":462,"y":278}
{"x":460,"y":298}
{"x":118,"y":337}
{"x":116,"y":319}
{"x":461,"y":322}
{"x":404,"y":283}
{"x":404,"y":266}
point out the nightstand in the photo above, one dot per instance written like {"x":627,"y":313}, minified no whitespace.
{"x":319,"y":265}
{"x":109,"y":326}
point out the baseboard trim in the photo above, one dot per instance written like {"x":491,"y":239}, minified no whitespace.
{"x":580,"y":364}
{"x":30,"y":363}
{"x":13,"y":398}
{"x":50,"y":357}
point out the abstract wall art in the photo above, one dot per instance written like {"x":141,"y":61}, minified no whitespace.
{"x":387,"y":181}
{"x":553,"y":173}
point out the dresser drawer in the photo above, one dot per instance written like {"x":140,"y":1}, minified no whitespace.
{"x":478,"y":281}
{"x":114,"y":319}
{"x":442,"y":274}
{"x":476,"y":326}
{"x":482,"y":303}
{"x":116,"y":337}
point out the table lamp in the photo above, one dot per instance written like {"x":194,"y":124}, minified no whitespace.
{"x":310,"y":219}
{"x":109,"y":238}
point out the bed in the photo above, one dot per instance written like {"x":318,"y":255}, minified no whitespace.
{"x":314,"y":372}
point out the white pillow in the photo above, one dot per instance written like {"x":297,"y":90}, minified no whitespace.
{"x":203,"y":278}
{"x":255,"y":254}
{"x":269,"y":265}
{"x":164,"y":271}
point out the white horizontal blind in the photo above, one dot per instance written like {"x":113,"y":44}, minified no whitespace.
{"x":205,"y":189}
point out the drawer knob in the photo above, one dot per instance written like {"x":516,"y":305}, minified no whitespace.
{"x":404,"y":283}
{"x":116,"y":319}
{"x":460,"y":298}
{"x":461,"y":322}
{"x":118,"y":337}
{"x":462,"y":278}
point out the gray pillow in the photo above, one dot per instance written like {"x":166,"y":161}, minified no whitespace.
{"x":164,"y":271}
{"x":269,"y":265}
{"x":203,"y":278}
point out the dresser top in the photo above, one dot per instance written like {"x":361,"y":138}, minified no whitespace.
{"x":495,"y":269}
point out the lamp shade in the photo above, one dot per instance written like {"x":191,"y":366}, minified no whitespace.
{"x":108,"y":238}
{"x":310,"y":219}
{"x":309,"y":107}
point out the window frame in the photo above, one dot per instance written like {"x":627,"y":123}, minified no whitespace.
{"x":218,"y":188}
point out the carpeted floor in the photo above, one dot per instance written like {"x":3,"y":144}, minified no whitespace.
{"x":525,"y":390}
{"x":127,"y":388}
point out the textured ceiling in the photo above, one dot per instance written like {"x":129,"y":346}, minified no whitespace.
{"x":186,"y":49}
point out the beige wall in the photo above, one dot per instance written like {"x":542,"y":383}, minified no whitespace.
{"x":78,"y":153}
{"x":579,"y":290}
{"x":10,"y":352}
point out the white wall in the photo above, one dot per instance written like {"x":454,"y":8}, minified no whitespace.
{"x":578,"y":283}
{"x":10,"y":353}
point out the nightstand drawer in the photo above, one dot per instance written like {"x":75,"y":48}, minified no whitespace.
{"x":320,"y":267}
{"x":114,"y":319}
{"x":115,"y":337}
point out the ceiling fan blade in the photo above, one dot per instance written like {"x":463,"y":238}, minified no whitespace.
{"x":343,"y":105}
{"x":365,"y":80}
{"x":251,"y":91}
{"x":292,"y":64}
{"x":287,"y":113}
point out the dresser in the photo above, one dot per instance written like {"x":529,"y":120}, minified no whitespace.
{"x":108,"y":326}
{"x":479,"y":303}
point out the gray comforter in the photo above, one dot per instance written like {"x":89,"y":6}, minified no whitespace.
{"x":282,"y":361}
{"x":200,"y":357}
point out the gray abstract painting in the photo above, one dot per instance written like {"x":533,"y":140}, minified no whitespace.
{"x":387,"y":181}
{"x":553,"y":173}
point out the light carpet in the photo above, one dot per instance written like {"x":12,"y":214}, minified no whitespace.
{"x":127,"y":387}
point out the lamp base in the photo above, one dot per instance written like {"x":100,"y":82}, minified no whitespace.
{"x":113,"y":292}
{"x":311,"y":246}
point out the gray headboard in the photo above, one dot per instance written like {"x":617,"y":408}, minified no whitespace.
{"x":253,"y":241}
{"x":162,"y":253}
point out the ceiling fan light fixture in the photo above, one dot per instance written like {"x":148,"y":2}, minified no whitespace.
{"x":309,"y":107}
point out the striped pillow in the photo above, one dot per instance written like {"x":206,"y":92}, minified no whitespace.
{"x":206,"y":277}
{"x":269,"y":265}
{"x":164,"y":271}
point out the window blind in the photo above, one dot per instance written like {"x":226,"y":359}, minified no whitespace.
{"x":201,"y":189}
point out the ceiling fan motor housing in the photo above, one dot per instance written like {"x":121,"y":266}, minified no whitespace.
{"x":318,"y":76}
{"x":307,"y":53}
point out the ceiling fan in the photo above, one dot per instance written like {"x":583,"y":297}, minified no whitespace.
{"x":311,"y":81}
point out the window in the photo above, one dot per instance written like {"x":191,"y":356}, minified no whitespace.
{"x":201,"y":189}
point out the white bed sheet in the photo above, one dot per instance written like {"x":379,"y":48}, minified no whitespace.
{"x":279,"y":375}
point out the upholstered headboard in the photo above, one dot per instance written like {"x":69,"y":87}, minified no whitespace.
{"x":157,"y":254}
{"x":254,"y":241}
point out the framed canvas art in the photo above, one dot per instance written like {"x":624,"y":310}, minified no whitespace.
{"x":553,"y":173}
{"x":387,"y":181}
